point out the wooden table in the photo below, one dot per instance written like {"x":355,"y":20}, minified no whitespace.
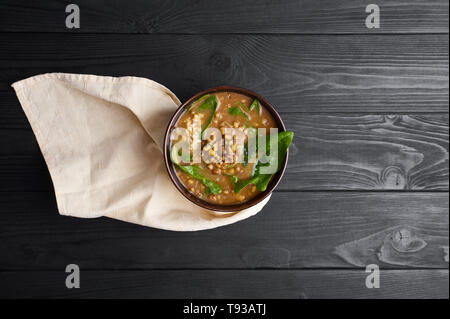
{"x":367,"y":179}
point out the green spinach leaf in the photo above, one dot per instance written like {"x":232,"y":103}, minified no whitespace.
{"x":245,"y":159}
{"x":195,"y":172}
{"x":261,"y":181}
{"x":255,"y":105}
{"x":236,"y":110}
{"x":210,"y":103}
{"x":242,"y":105}
{"x":196,"y":102}
{"x":233,"y":178}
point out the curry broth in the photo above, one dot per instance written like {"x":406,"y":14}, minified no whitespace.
{"x":221,"y":172}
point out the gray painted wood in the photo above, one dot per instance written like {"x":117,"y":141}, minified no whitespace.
{"x":236,"y":284}
{"x":295,"y":230}
{"x":329,"y":152}
{"x":232,"y":16}
{"x":297,"y":73}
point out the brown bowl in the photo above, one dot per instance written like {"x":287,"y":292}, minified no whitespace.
{"x":171,"y":168}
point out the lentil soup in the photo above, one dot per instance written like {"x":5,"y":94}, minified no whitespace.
{"x":223,"y":182}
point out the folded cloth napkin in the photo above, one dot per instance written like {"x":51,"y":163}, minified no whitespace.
{"x":102,"y":140}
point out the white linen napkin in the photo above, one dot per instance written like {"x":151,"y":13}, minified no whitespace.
{"x":102,"y":139}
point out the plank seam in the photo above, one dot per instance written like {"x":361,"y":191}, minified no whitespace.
{"x":233,"y":33}
{"x":221,"y":269}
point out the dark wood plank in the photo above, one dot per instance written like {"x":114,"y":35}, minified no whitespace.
{"x":300,"y":73}
{"x":295,"y":230}
{"x":188,"y":284}
{"x":297,"y":73}
{"x":371,"y":152}
{"x":232,"y":16}
{"x":329,"y":152}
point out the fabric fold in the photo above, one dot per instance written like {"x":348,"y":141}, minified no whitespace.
{"x":102,"y":138}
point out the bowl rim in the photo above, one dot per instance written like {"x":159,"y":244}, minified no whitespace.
{"x":171,"y":168}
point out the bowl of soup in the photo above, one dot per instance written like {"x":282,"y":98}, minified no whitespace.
{"x":226,"y":148}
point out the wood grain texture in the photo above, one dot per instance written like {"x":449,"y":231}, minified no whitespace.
{"x":232,"y":16}
{"x":369,"y":108}
{"x":296,"y":73}
{"x":329,"y":152}
{"x":372,"y":152}
{"x":188,"y":284}
{"x":295,"y":230}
